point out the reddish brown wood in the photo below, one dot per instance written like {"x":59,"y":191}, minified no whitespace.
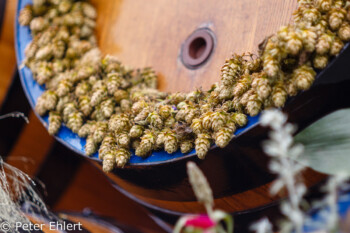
{"x":31,"y":147}
{"x":7,"y":58}
{"x":243,"y":201}
{"x":90,"y":189}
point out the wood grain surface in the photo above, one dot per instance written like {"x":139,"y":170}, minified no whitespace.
{"x":7,"y":54}
{"x":150,"y":33}
{"x":178,"y":197}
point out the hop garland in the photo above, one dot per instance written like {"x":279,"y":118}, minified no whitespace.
{"x":117,"y":108}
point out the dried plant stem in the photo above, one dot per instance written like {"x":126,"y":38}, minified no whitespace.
{"x":280,"y":147}
{"x":16,"y":115}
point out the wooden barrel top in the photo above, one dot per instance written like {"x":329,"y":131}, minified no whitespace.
{"x":151,"y":33}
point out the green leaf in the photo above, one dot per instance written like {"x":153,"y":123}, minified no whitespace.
{"x":327,"y":143}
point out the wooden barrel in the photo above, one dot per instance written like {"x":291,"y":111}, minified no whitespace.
{"x":238,"y":174}
{"x":155,"y":34}
{"x":164,"y":34}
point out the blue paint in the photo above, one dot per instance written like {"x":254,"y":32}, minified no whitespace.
{"x":33,"y":90}
{"x":318,"y":219}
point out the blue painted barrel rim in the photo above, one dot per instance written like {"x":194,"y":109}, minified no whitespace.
{"x":33,"y":90}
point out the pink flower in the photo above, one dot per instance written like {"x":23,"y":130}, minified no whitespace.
{"x":201,"y":221}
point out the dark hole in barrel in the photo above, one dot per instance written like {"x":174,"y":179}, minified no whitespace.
{"x":197,"y":47}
